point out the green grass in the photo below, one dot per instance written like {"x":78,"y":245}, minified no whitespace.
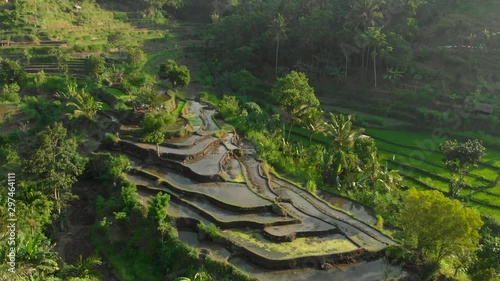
{"x":121,"y":94}
{"x":431,"y":168}
{"x":488,"y":198}
{"x":179,"y":108}
{"x":285,"y":250}
{"x":106,"y":106}
{"x":155,"y":59}
{"x":130,"y":266}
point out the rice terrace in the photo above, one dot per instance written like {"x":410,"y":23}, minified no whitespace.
{"x":240,"y":140}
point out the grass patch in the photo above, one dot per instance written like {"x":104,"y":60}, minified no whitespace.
{"x":105,"y":106}
{"x":286,"y":250}
{"x":179,"y":108}
{"x":130,"y":265}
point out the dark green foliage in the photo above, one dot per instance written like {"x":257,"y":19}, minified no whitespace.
{"x":154,"y":127}
{"x":11,"y":72}
{"x":56,"y":164}
{"x":136,"y":80}
{"x":94,"y":66}
{"x":135,"y":59}
{"x":42,"y":111}
{"x":242,"y":83}
{"x":459,"y":158}
{"x":178,"y":75}
{"x":364,"y":148}
{"x":487,"y":264}
{"x":147,"y":97}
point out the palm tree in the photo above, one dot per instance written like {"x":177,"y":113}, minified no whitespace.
{"x":393,"y":75}
{"x":314,"y":121}
{"x":83,"y":268}
{"x":340,"y":128}
{"x":84,"y":104}
{"x":277,"y":31}
{"x":376,"y":39}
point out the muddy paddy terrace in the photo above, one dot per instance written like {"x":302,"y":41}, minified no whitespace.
{"x":269,"y":226}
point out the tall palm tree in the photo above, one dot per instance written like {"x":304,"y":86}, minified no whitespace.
{"x":278,"y":31}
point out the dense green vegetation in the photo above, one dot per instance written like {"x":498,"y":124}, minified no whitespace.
{"x":298,"y":78}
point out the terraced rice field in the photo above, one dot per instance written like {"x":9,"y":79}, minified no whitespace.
{"x":417,"y":157}
{"x":271,"y":234}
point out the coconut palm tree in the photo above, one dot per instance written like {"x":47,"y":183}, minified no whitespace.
{"x":278,"y":31}
{"x":314,"y":121}
{"x":84,"y":104}
{"x":341,"y":130}
{"x":82,"y":268}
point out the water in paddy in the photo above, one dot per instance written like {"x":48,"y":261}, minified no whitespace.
{"x":217,"y":251}
{"x":366,"y":271}
{"x":359,"y":211}
{"x":210,"y":164}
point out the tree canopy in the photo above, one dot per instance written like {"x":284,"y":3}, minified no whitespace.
{"x":154,"y":127}
{"x":56,"y":163}
{"x":436,"y":227}
{"x":459,"y":158}
{"x":178,"y":75}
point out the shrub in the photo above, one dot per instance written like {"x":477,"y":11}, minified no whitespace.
{"x":311,"y":186}
{"x":10,"y":93}
{"x":158,"y":209}
{"x":129,"y":196}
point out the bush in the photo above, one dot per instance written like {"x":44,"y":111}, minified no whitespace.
{"x":311,"y":186}
{"x":158,"y":209}
{"x":129,"y":196}
{"x":10,"y":93}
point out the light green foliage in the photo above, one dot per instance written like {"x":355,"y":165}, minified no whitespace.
{"x":211,"y":230}
{"x":229,"y":107}
{"x":487,"y":264}
{"x":435,"y":227}
{"x":129,"y":196}
{"x":56,"y":163}
{"x":293,"y":92}
{"x":178,"y":75}
{"x":118,"y":39}
{"x":295,"y":96}
{"x":118,"y":165}
{"x":342,"y":131}
{"x":136,"y":80}
{"x":311,"y":186}
{"x":158,"y":209}
{"x":40,"y":79}
{"x":154,"y":127}
{"x":10,"y":93}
